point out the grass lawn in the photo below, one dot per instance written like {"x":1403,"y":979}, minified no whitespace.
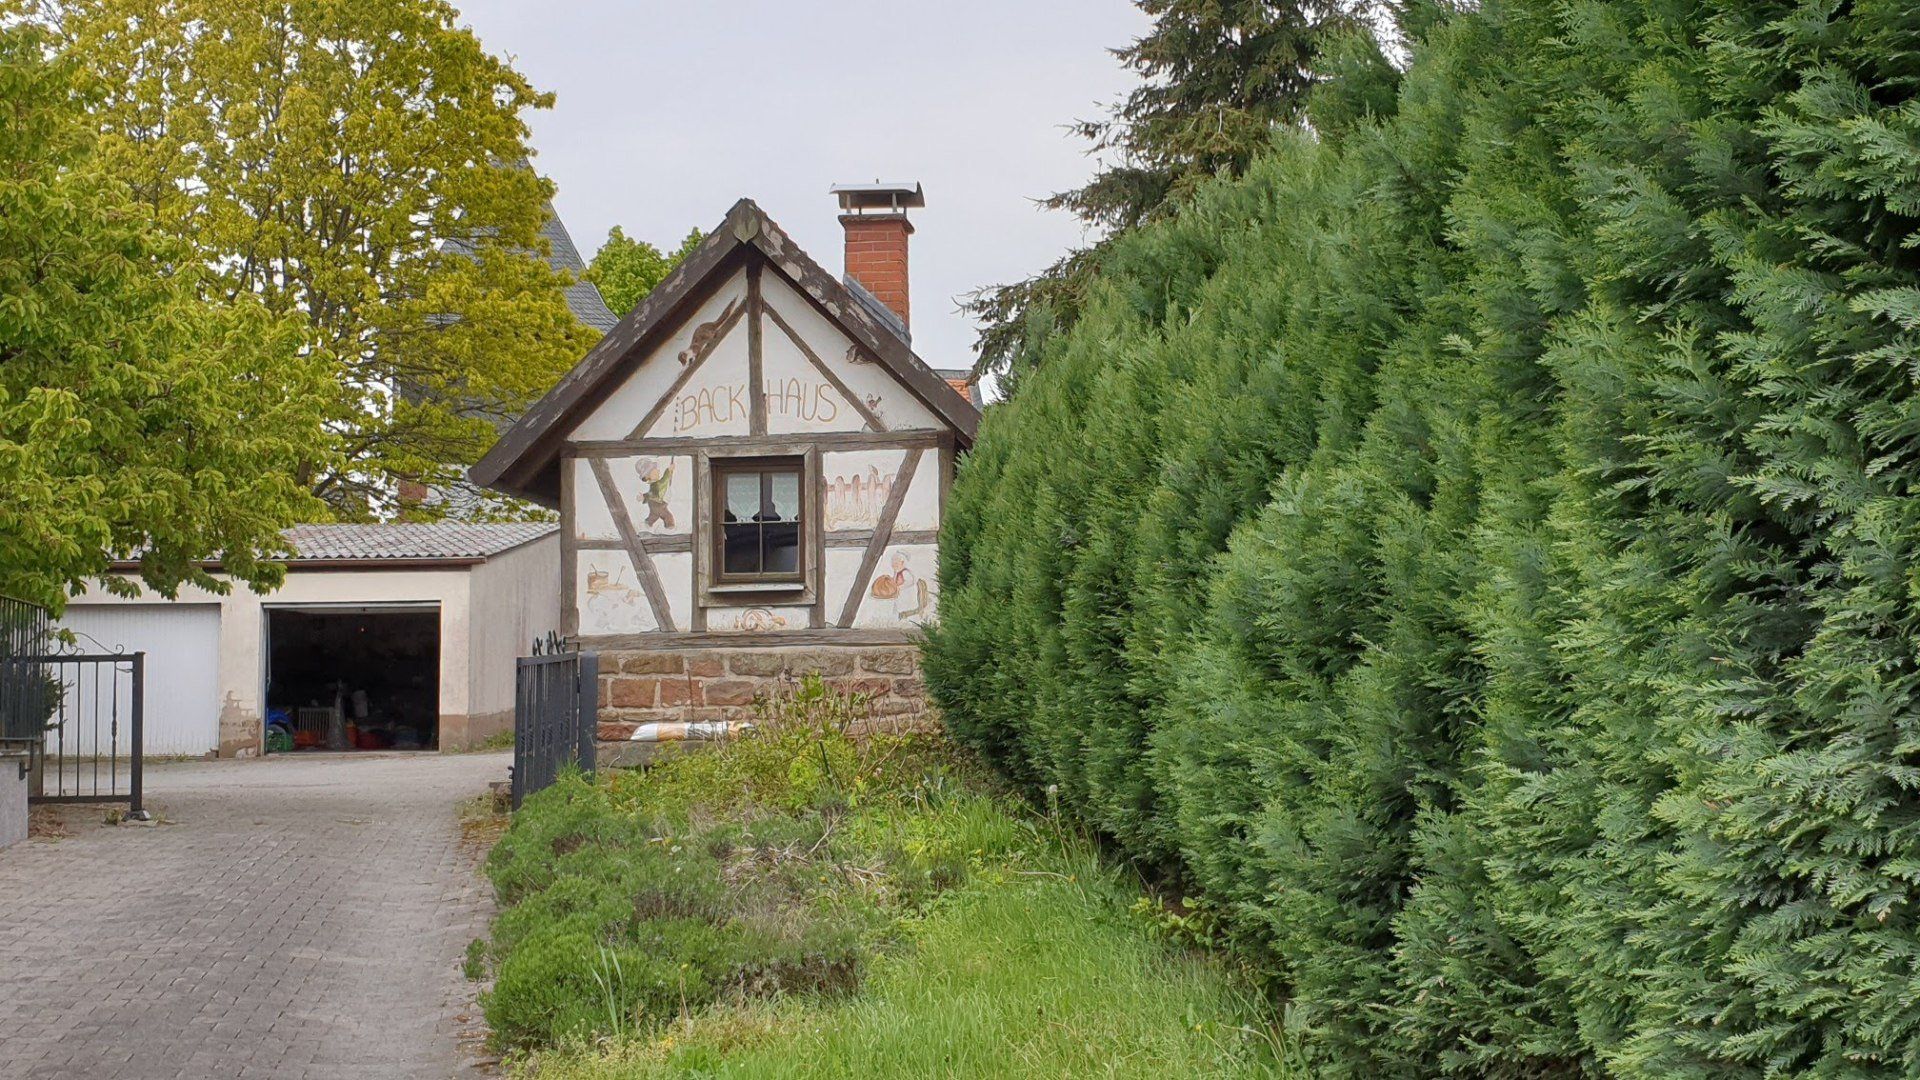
{"x":804,"y":904}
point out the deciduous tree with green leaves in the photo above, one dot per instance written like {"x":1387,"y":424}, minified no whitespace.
{"x":137,"y":418}
{"x":626,"y":270}
{"x":362,"y":164}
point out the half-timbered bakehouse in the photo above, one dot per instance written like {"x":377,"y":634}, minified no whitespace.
{"x":750,"y":470}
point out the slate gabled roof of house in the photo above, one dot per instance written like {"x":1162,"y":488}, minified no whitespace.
{"x":583,"y":297}
{"x":386,"y":543}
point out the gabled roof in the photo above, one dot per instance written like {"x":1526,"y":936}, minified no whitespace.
{"x":525,"y":460}
{"x":583,"y":296}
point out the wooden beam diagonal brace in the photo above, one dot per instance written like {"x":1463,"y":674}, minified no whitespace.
{"x":636,"y":550}
{"x":872,"y":419}
{"x":729,"y":318}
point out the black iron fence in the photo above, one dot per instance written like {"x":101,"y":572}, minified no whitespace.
{"x":80,"y":715}
{"x":25,"y":630}
{"x":555,"y":714}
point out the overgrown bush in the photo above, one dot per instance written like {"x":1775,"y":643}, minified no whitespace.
{"x":1476,"y":550}
{"x":773,"y":864}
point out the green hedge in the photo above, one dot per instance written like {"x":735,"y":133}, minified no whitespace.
{"x":1476,"y":548}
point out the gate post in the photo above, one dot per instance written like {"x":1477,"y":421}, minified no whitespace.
{"x":587,"y":711}
{"x":137,"y":811}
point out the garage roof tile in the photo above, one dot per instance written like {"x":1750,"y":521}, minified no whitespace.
{"x":439,"y":540}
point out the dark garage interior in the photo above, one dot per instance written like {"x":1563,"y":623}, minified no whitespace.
{"x":354,"y":679}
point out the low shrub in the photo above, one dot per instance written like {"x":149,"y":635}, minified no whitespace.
{"x":772,"y":864}
{"x":615,"y":920}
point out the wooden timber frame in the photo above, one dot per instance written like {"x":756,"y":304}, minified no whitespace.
{"x":538,"y":459}
{"x":831,"y":614}
{"x":525,"y":462}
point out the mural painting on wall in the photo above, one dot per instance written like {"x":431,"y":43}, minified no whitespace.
{"x":611,"y":601}
{"x":656,"y":487}
{"x":795,"y":399}
{"x":704,"y":334}
{"x":752,"y":621}
{"x":909,"y":595}
{"x":858,"y":499}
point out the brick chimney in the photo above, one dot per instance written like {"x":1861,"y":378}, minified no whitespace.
{"x":875,"y":219}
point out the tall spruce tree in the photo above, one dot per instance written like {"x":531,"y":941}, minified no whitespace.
{"x":1216,"y":77}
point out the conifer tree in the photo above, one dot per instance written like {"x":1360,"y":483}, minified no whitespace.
{"x":1473,"y":550}
{"x":1215,"y":79}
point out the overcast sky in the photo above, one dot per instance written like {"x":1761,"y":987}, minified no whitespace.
{"x":668,"y":112}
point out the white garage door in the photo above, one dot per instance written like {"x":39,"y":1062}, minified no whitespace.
{"x":182,"y":643}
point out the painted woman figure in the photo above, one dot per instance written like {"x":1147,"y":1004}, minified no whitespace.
{"x":657,"y":481}
{"x":908,"y":593}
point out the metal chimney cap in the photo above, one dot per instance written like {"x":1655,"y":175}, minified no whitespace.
{"x":888,"y":197}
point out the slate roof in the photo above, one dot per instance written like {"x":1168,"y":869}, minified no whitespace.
{"x":385,"y":543}
{"x":583,"y":297}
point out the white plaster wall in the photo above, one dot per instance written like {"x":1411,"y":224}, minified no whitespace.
{"x":852,"y":505}
{"x":676,"y":580}
{"x":715,"y":399}
{"x":799,"y":398}
{"x":608,"y":595}
{"x":628,"y":405}
{"x":892,"y":402}
{"x":591,"y":519}
{"x":918,"y":589}
{"x":514,"y":598}
{"x":757,"y":620}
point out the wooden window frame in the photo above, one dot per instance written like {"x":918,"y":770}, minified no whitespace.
{"x":720,"y":468}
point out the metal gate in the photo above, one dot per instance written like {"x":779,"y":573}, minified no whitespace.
{"x":79,"y":715}
{"x":555,"y":714}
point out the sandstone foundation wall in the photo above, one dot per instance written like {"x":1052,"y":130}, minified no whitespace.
{"x":638,"y":687}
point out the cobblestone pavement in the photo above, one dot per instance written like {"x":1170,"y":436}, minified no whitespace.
{"x":294,"y":917}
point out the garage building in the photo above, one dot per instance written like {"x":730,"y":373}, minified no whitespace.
{"x":398,"y":637}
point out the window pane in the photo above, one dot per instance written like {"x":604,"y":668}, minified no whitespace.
{"x":741,"y":544}
{"x":782,"y":546}
{"x":743,"y":496}
{"x":783,"y":496}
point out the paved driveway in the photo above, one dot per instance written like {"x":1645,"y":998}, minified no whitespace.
{"x":294,"y":917}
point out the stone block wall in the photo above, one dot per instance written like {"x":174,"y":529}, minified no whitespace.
{"x":723,"y":683}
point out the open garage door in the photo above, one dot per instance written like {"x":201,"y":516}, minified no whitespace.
{"x":353,"y":677}
{"x":182,"y":643}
